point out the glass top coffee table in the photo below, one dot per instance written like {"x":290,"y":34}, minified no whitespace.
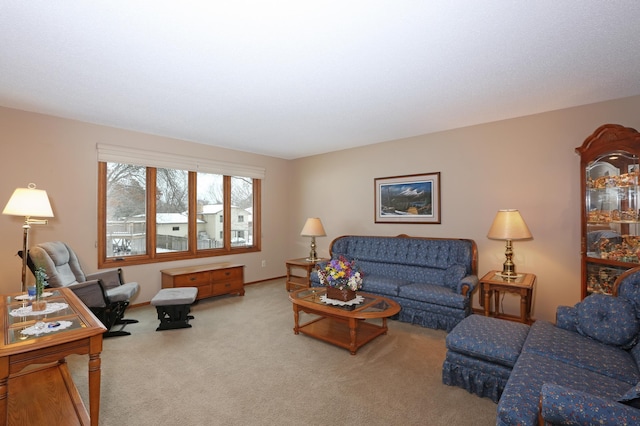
{"x":343,"y":326}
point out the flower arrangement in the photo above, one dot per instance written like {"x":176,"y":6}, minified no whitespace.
{"x":340,"y":273}
{"x":41,"y":281}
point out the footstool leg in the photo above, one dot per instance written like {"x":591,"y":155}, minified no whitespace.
{"x":173,"y":317}
{"x":173,"y":306}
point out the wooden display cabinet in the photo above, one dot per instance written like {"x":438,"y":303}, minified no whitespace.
{"x":610,"y":214}
{"x":212,"y":279}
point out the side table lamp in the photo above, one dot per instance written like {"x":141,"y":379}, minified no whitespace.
{"x":313,"y":228}
{"x":509,"y":225}
{"x":28,"y":202}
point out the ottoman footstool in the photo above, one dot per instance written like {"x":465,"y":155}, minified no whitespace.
{"x":173,"y":306}
{"x":481,"y":352}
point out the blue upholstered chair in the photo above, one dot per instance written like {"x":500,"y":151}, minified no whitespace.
{"x":612,"y":321}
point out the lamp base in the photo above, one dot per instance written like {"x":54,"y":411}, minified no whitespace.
{"x":509,"y":276}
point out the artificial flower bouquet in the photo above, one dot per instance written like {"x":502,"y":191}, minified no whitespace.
{"x":340,"y":273}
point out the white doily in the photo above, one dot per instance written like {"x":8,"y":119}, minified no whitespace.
{"x":27,"y":297}
{"x":359,"y":299}
{"x":34,"y":330}
{"x":26,"y":310}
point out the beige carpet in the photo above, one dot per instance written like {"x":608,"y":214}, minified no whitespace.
{"x":241,"y":364}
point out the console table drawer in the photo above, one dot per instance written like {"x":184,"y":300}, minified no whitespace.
{"x":192,"y":280}
{"x":225,"y":287}
{"x":226,"y":274}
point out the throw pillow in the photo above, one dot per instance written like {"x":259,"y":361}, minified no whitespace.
{"x":632,"y":397}
{"x":453,"y":275}
{"x":608,"y":319}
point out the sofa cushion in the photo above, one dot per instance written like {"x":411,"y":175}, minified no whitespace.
{"x":562,"y":405}
{"x":567,"y":318}
{"x":491,"y":339}
{"x":521,"y":397}
{"x":572,"y":348}
{"x":608,"y":319}
{"x":453,"y":275}
{"x":432,"y":253}
{"x":629,"y":288}
{"x":632,"y":397}
{"x":387,"y":286}
{"x":432,"y":293}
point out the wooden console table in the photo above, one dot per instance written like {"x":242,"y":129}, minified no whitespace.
{"x":36,"y":387}
{"x":213,"y":279}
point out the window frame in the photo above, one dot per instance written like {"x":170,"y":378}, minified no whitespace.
{"x":192,"y":253}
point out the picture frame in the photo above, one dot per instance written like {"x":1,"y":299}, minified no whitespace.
{"x":408,"y":199}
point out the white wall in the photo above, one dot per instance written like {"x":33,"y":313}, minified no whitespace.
{"x":59,"y":155}
{"x":527,"y":163}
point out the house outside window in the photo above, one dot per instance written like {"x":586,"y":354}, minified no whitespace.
{"x":151,"y":214}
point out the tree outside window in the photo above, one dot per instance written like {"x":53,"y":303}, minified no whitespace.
{"x":155,"y":214}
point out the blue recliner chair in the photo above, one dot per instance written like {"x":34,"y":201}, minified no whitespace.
{"x":105,"y":293}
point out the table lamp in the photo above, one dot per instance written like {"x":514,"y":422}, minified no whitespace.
{"x":313,"y":228}
{"x":28,"y":202}
{"x":508,"y":225}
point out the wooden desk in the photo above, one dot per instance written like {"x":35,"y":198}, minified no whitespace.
{"x":298,"y":282}
{"x":36,"y":387}
{"x":493,"y":283}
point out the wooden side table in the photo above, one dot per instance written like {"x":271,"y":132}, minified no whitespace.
{"x":492,"y":282}
{"x":297,"y":282}
{"x":47,"y":394}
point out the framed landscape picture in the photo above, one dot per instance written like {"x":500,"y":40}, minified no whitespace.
{"x":408,"y":199}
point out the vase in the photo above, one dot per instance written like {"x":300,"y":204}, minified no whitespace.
{"x":344,"y":295}
{"x":38,"y":305}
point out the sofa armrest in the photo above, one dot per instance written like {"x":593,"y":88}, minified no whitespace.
{"x":314,"y":280}
{"x":467,"y":285}
{"x":91,"y":293}
{"x":566,"y":406}
{"x":111,"y":278}
{"x":567,"y":318}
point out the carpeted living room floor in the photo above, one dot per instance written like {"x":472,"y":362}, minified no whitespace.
{"x":241,"y":364}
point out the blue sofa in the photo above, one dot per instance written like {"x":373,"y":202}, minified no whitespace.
{"x":583,"y":370}
{"x":431,"y":278}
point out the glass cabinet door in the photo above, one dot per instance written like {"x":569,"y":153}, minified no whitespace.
{"x":611,"y":207}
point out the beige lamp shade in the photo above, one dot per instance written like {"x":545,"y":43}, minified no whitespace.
{"x":509,"y":225}
{"x":313,"y":228}
{"x":29,"y":202}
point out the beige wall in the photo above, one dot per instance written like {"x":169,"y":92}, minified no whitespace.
{"x":527,"y":163}
{"x":60,"y":156}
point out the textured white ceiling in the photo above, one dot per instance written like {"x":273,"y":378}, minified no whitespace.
{"x":300,"y":77}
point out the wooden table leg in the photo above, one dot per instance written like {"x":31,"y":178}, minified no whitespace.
{"x":353,"y":325}
{"x":523,"y":305}
{"x":95,"y":370}
{"x":4,"y":390}
{"x":296,"y":319}
{"x":94,"y":387}
{"x":487,"y":302}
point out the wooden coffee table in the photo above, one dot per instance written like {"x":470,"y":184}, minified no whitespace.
{"x":342,"y":326}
